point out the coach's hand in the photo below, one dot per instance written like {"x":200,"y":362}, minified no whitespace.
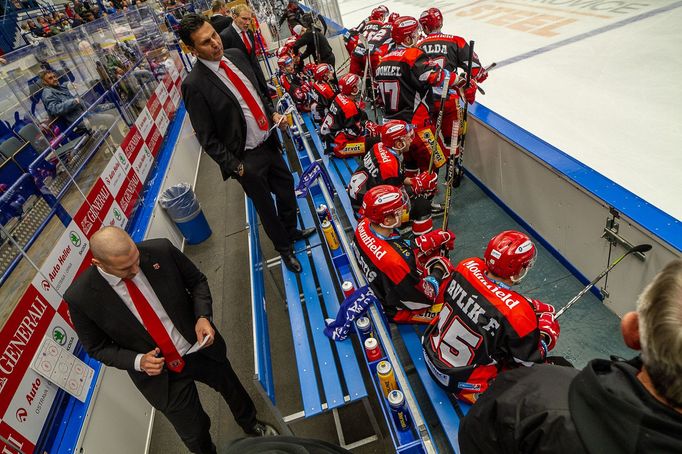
{"x":203,"y":328}
{"x":280,"y":121}
{"x":151,"y":363}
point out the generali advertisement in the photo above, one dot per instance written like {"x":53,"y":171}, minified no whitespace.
{"x":26,"y":397}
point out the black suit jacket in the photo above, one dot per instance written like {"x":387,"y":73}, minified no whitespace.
{"x":110,"y":332}
{"x":220,"y":22}
{"x":216,"y":115}
{"x":233,"y":40}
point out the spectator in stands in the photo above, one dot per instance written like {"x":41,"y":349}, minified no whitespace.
{"x":76,"y":20}
{"x":60,"y":103}
{"x":292,"y":14}
{"x":610,"y":406}
{"x":68,"y":10}
{"x":139,"y":308}
{"x":233,"y":123}
{"x":220,"y":19}
{"x":35,"y":29}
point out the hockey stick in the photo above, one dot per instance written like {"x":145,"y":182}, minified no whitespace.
{"x":439,"y":121}
{"x":638,"y":248}
{"x":363,"y":40}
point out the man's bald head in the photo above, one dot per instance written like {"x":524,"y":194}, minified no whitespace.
{"x":115,"y":252}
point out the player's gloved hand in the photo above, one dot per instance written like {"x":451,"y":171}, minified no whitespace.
{"x":439,"y":267}
{"x":479,"y":74}
{"x":540,"y":307}
{"x":361,"y":104}
{"x":435,"y":240}
{"x":549,"y":329}
{"x":372,"y":128}
{"x":470,"y":93}
{"x":424,"y":182}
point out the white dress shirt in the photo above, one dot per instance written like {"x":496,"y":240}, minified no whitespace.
{"x":254,"y":135}
{"x":239,"y":32}
{"x":142,"y":283}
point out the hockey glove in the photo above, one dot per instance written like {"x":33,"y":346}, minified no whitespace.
{"x":372,"y":128}
{"x":433,"y":241}
{"x":549,"y":329}
{"x":479,"y":74}
{"x":439,"y":267}
{"x":539,"y":307}
{"x":470,"y":93}
{"x":424,"y":182}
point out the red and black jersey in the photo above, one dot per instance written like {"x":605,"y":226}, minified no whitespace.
{"x":324,"y":94}
{"x":449,"y":51}
{"x":344,"y":115}
{"x":380,"y":165}
{"x":369,"y":29}
{"x":482,"y":329}
{"x":391,"y":270}
{"x":405,"y":77}
{"x":380,"y":42}
{"x":297,"y":88}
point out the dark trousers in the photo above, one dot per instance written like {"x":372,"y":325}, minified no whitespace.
{"x":184,"y":408}
{"x":266,"y":173}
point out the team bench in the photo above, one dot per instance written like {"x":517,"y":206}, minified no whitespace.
{"x":448,"y":410}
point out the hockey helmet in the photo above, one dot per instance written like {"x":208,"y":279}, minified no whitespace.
{"x":379,"y":13}
{"x":350,"y":84}
{"x":382,"y":201}
{"x":283,"y":51}
{"x":394,"y":130}
{"x":392,"y":17}
{"x":431,"y":19}
{"x":284,"y":61}
{"x":510,"y":254}
{"x":322,"y":72}
{"x":404,"y":27}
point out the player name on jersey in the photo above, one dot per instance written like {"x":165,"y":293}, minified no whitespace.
{"x":389,"y":71}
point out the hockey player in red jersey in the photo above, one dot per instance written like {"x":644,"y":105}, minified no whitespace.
{"x":293,"y":83}
{"x":451,"y":53}
{"x":324,"y":90}
{"x":405,"y":77}
{"x":367,"y":29}
{"x":382,"y":165}
{"x":406,"y":286}
{"x":485,"y":326}
{"x":346,"y":129}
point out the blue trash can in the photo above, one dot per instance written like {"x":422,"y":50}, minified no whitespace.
{"x":184,"y":209}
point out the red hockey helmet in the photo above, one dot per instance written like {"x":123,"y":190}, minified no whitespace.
{"x":392,"y":17}
{"x":431,"y":19}
{"x":385,"y":200}
{"x":379,"y":13}
{"x":510,"y":254}
{"x":350,"y":84}
{"x":284,"y":61}
{"x":394,"y":130}
{"x":283,"y":51}
{"x":404,"y":27}
{"x":322,"y":71}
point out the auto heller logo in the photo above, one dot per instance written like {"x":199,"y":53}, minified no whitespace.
{"x":45,"y":284}
{"x":117,"y":214}
{"x":22,"y":415}
{"x":75,"y":238}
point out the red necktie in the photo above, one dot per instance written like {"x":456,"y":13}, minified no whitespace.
{"x":247,"y":43}
{"x":155,"y":328}
{"x":246,"y":96}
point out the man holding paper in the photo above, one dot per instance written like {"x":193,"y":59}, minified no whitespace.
{"x":147,"y":309}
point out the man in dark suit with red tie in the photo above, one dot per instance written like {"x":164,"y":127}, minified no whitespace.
{"x":233,"y":123}
{"x":239,"y":36}
{"x":140,"y":308}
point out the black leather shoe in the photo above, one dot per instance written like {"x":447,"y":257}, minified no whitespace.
{"x":291,"y":262}
{"x":300,"y":234}
{"x":262,"y":429}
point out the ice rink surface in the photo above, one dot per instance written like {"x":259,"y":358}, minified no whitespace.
{"x":598,"y":79}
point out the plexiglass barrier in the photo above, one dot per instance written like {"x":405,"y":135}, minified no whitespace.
{"x":82,"y":119}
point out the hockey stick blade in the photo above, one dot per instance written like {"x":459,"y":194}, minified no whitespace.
{"x":639,"y":248}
